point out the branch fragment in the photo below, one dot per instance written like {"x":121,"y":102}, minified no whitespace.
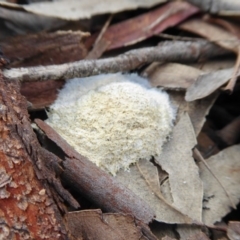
{"x":165,"y":52}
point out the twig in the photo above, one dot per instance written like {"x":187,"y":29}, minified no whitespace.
{"x":168,"y":51}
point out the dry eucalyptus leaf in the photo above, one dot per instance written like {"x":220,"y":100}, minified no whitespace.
{"x":226,"y":166}
{"x":233,"y":230}
{"x":171,"y":75}
{"x":176,"y":159}
{"x":149,"y":190}
{"x":74,"y":10}
{"x":93,"y":224}
{"x":208,"y":83}
{"x":197,"y":110}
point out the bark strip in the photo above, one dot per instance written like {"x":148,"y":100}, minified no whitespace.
{"x":97,"y":185}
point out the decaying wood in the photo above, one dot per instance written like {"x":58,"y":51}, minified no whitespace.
{"x":97,"y":185}
{"x":26,"y":206}
{"x":106,"y":226}
{"x":41,"y":94}
{"x":44,"y":48}
{"x":166,"y":52}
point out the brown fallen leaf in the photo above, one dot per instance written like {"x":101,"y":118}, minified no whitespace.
{"x":100,"y":45}
{"x":93,"y":224}
{"x":171,"y":75}
{"x":233,"y":230}
{"x":208,"y":83}
{"x":176,"y":159}
{"x":146,"y":25}
{"x":145,"y":184}
{"x":213,"y":33}
{"x":221,"y":37}
{"x":197,"y":110}
{"x":226,"y":166}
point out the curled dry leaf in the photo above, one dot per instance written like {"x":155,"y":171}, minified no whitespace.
{"x":171,"y":75}
{"x":213,"y":33}
{"x":75,"y":10}
{"x":226,"y":166}
{"x":208,"y":83}
{"x":197,"y":110}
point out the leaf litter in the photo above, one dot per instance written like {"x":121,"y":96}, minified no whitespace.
{"x":176,"y":188}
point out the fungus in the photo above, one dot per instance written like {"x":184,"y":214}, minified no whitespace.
{"x":113,"y":119}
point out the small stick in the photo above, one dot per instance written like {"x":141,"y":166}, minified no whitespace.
{"x":169,"y":51}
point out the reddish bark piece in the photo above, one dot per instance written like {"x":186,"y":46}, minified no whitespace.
{"x":26,"y":208}
{"x":146,"y":25}
{"x":45,"y":48}
{"x":97,"y":185}
{"x":41,"y":94}
{"x":93,"y":224}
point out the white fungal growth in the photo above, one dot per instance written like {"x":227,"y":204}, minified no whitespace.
{"x":114,"y":119}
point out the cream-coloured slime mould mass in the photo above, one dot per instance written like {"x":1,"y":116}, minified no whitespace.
{"x":113,"y":119}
